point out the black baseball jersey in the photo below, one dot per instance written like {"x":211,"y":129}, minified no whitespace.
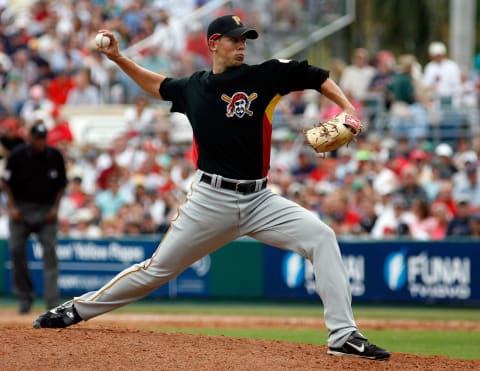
{"x":231,"y":112}
{"x":35,"y":177}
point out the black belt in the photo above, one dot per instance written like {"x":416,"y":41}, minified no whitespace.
{"x":240,"y":187}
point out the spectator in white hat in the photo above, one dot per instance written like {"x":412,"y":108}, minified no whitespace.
{"x":444,"y":161}
{"x":442,"y":76}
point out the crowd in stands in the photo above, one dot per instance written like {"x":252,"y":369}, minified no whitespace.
{"x":400,"y":182}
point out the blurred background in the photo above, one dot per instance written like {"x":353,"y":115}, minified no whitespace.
{"x":411,"y":182}
{"x":411,"y":69}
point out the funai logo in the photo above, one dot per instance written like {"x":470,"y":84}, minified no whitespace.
{"x":428,"y":277}
{"x":297,"y":271}
{"x":395,"y":270}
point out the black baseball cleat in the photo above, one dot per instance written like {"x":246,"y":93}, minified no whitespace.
{"x":62,"y":316}
{"x":358,"y":346}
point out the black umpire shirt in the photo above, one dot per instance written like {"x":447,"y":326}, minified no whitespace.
{"x":231,"y":112}
{"x":34,"y":177}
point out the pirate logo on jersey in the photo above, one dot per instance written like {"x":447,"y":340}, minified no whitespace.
{"x":239,"y":104}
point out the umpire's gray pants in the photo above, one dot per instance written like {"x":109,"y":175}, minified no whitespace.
{"x":23,"y":287}
{"x":211,"y":218}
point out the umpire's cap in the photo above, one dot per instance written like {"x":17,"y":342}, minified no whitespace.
{"x":38,"y":131}
{"x":230,"y":25}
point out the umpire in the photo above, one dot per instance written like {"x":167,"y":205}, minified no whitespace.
{"x":34,"y":181}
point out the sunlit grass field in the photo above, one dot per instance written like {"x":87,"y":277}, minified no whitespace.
{"x":452,"y":343}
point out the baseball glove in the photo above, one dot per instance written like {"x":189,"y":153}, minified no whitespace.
{"x":329,"y":135}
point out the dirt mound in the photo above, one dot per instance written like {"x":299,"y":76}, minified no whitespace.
{"x":101,"y":344}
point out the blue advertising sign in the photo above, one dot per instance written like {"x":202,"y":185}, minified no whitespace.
{"x":407,"y":271}
{"x":86,"y":265}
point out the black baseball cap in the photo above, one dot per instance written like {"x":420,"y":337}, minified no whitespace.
{"x":230,"y":25}
{"x":38,"y":131}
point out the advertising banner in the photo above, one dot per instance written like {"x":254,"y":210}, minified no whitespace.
{"x":86,"y":265}
{"x":391,"y":271}
{"x":397,"y":271}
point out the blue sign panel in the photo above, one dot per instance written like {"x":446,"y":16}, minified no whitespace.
{"x":386,"y":271}
{"x":86,"y":265}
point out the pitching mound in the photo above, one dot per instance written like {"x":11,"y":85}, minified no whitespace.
{"x":101,"y":344}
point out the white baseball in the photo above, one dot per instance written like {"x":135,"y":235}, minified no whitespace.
{"x":102,"y":41}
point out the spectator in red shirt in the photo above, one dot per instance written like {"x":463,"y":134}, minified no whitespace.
{"x":60,"y":134}
{"x":339,"y":216}
{"x":59,"y":87}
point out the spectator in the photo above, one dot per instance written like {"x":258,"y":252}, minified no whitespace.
{"x":85,"y":167}
{"x":15,"y":93}
{"x":339,"y":216}
{"x":286,"y":14}
{"x":463,"y":159}
{"x":65,"y":57}
{"x":64,"y":227}
{"x":409,"y":118}
{"x":171,"y":35}
{"x":59,"y":87}
{"x":36,"y":106}
{"x":468,"y":96}
{"x":409,"y":188}
{"x":115,"y":90}
{"x":84,"y":92}
{"x":140,"y":117}
{"x":422,"y":161}
{"x":368,"y":215}
{"x":111,"y":227}
{"x":442,"y":217}
{"x":467,"y":181}
{"x":75,"y":193}
{"x":444,"y":161}
{"x":83,"y":226}
{"x":345,"y":164}
{"x":464,"y":152}
{"x":11,"y":136}
{"x":442,"y":76}
{"x":296,"y":102}
{"x":304,"y":167}
{"x":357,"y":76}
{"x":445,"y":197}
{"x":459,"y":225}
{"x":384,"y":71}
{"x":394,"y":220}
{"x":98,"y":70}
{"x":423,"y":225}
{"x":22,"y":65}
{"x":111,"y":199}
{"x":60,"y":133}
{"x":35,"y":179}
{"x":133,"y":16}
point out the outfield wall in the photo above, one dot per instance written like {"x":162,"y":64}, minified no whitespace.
{"x":393,"y":271}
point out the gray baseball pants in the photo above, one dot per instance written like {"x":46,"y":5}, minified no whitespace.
{"x":212,"y":217}
{"x":23,"y":287}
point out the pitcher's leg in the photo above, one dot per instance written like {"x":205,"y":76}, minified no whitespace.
{"x":201,"y":228}
{"x":282,"y":223}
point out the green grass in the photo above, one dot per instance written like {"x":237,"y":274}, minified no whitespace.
{"x":455,"y":344}
{"x":284,"y":309}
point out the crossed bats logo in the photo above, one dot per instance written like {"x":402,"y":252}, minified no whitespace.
{"x":239,"y":104}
